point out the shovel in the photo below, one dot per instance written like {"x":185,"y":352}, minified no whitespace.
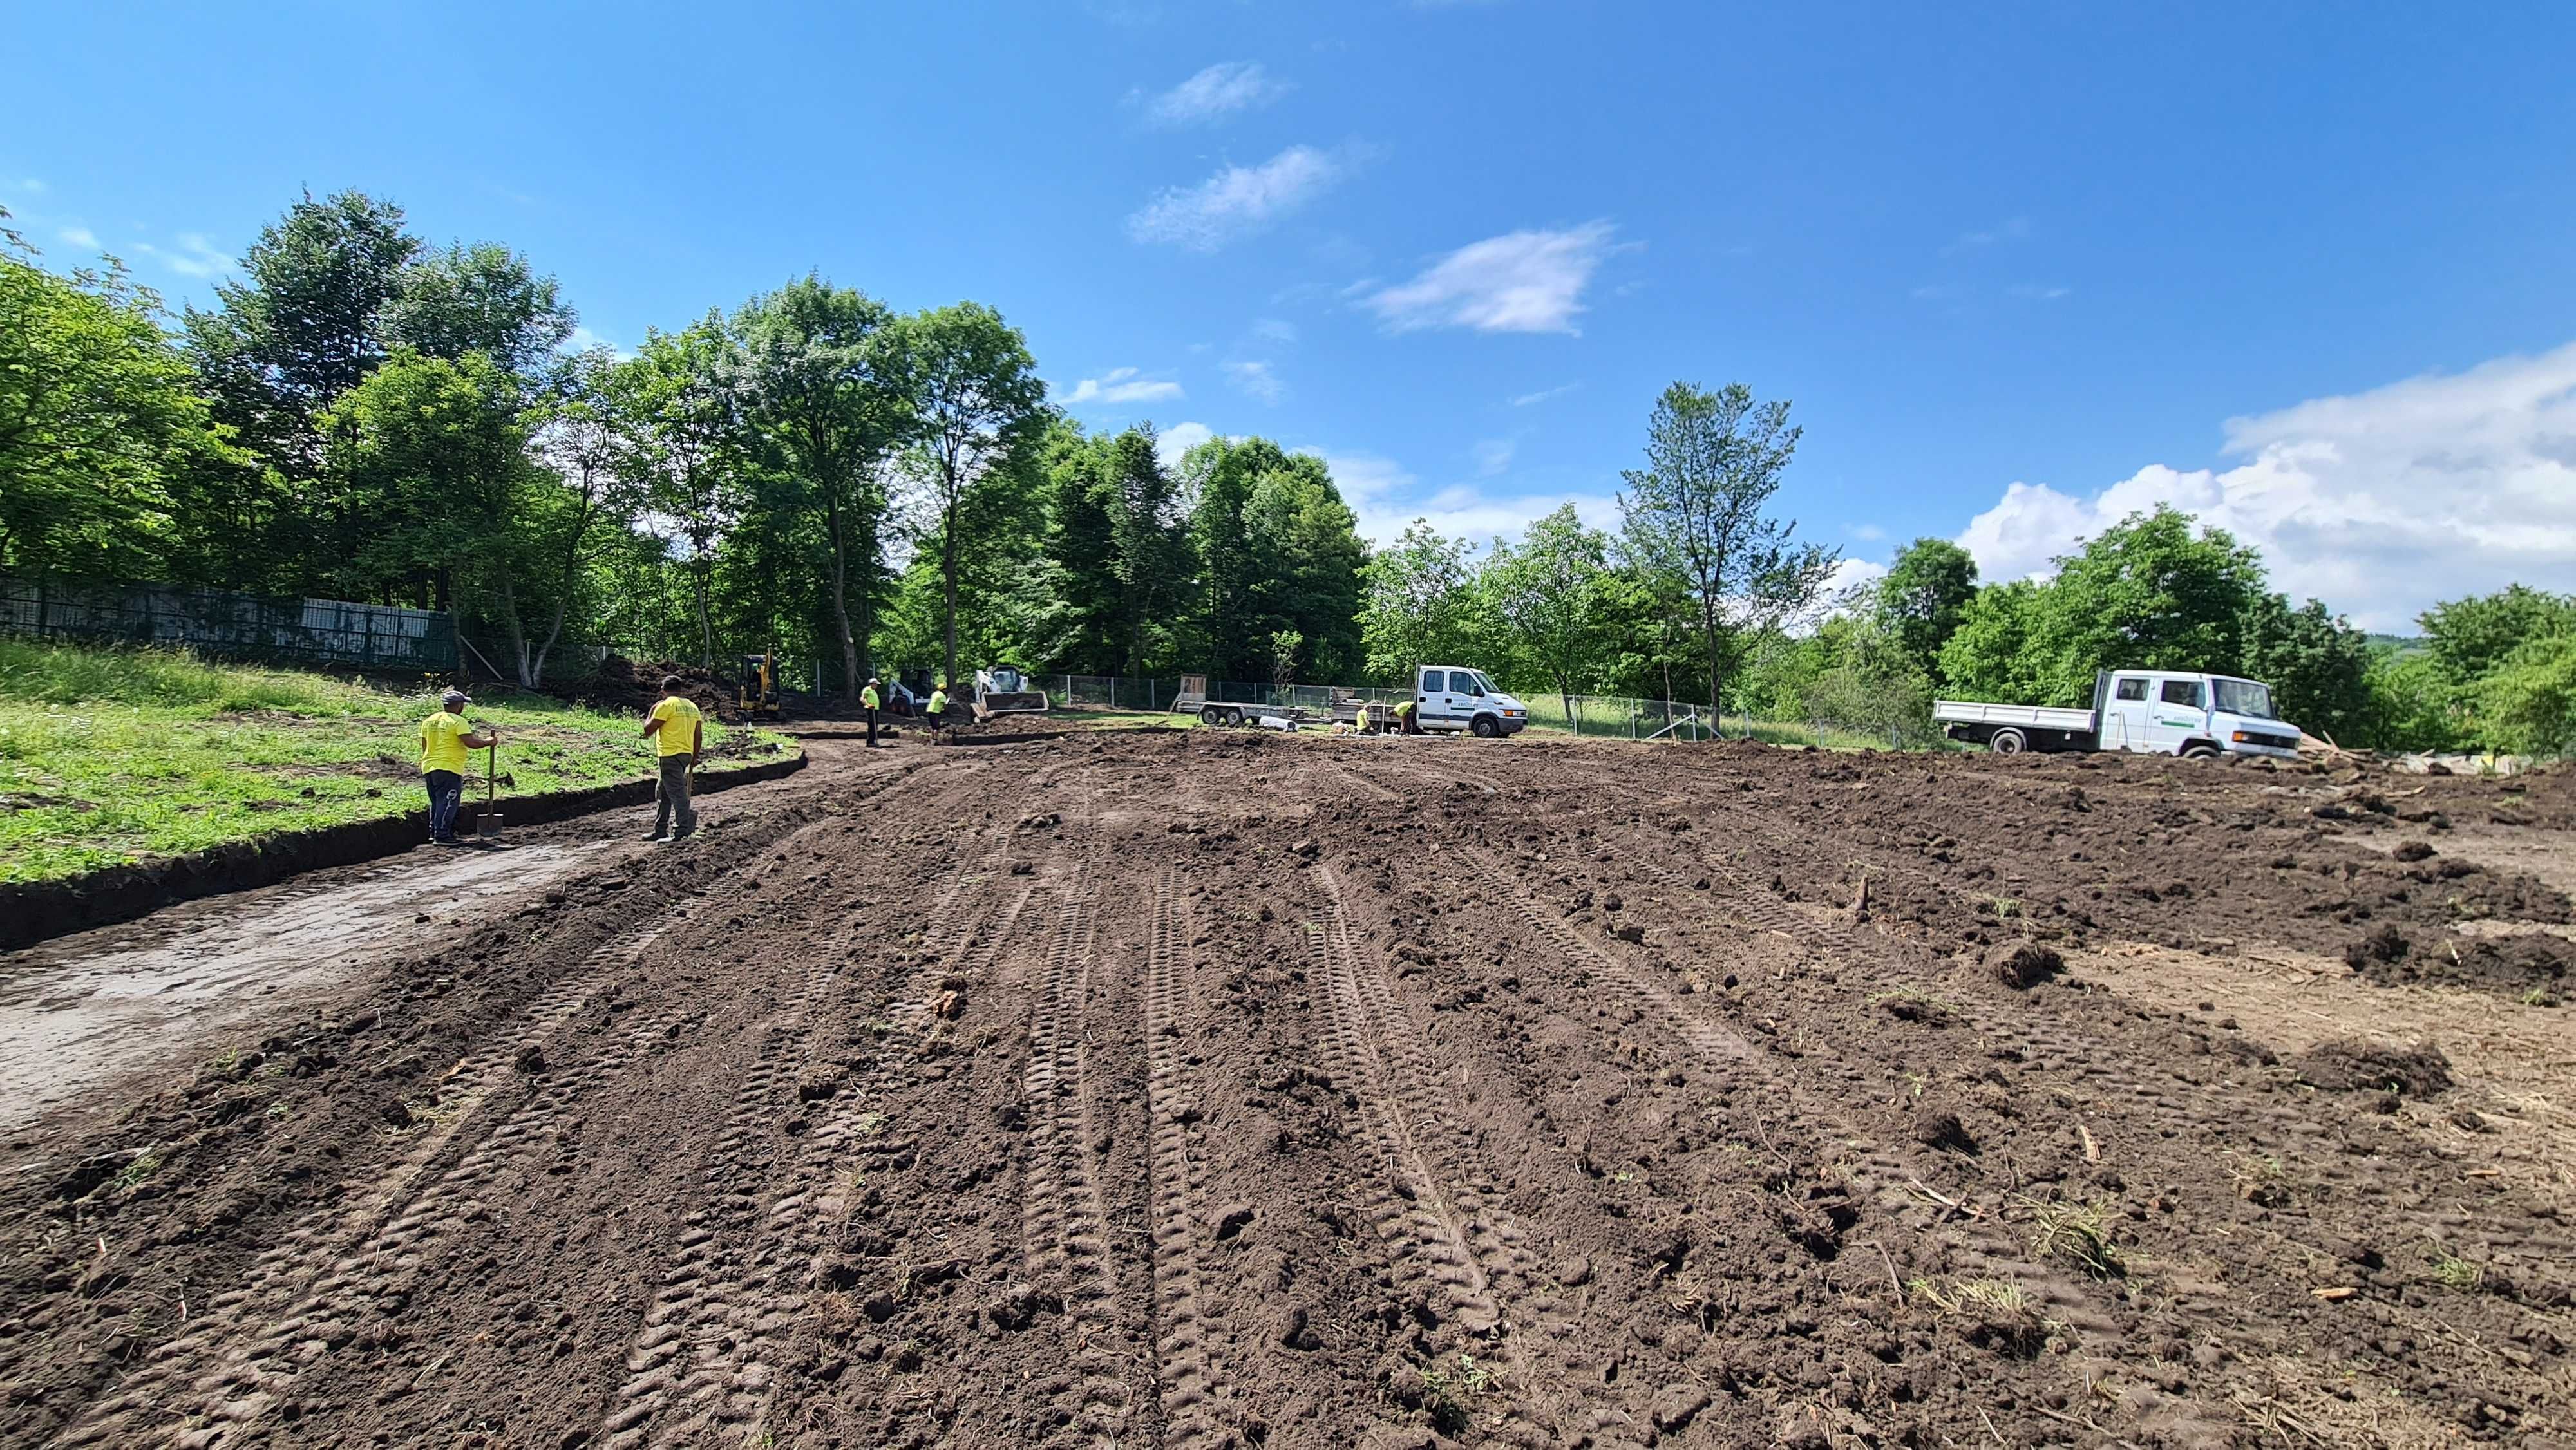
{"x":491,"y":812}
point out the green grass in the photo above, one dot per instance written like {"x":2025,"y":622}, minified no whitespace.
{"x":1086,"y":718}
{"x":111,"y":756}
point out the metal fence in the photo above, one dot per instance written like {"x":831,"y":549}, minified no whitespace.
{"x":238,"y":626}
{"x":1620,"y":716}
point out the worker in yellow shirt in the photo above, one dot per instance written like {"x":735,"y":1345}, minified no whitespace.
{"x":938,"y":704}
{"x":868,"y":701}
{"x":444,"y":739}
{"x":680,"y":732}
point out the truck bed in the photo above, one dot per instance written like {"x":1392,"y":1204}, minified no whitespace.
{"x":2034,"y":717}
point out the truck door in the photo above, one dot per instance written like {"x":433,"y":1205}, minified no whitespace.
{"x":2177,"y":713}
{"x":2124,"y":714}
{"x":1431,"y":700}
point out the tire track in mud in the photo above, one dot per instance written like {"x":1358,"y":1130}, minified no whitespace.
{"x":1065,"y":1235}
{"x":1187,"y":1378}
{"x":300,"y":1294}
{"x":1435,"y":1201}
{"x":1882,"y":1173}
{"x":703,"y":1369}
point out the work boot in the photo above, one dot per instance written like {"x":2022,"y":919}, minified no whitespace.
{"x":657,"y":835}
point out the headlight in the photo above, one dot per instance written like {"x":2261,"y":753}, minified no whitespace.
{"x":2238,"y":737}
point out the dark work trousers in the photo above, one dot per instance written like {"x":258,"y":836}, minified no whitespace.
{"x":446,"y":788}
{"x":872,"y":729}
{"x":672,"y":806}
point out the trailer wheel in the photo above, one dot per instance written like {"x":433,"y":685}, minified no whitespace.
{"x":1208,"y":715}
{"x":1234,"y":717}
{"x":2008,"y":742}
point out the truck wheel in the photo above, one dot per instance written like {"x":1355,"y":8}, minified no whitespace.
{"x":2200,"y":752}
{"x":1486,"y":726}
{"x":2008,"y":742}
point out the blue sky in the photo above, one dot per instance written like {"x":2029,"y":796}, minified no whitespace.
{"x":2306,"y":268}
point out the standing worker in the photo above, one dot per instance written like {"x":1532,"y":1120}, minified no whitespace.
{"x":680,"y":731}
{"x":868,"y":702}
{"x":938,"y":703}
{"x":444,"y":739}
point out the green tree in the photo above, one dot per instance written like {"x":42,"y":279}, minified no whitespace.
{"x":2317,"y":664}
{"x":1417,"y":601}
{"x":301,"y":325}
{"x":2528,"y":701}
{"x":815,"y":384}
{"x":677,"y":439}
{"x":1991,"y":655}
{"x":2150,"y":592}
{"x":484,"y":298}
{"x":97,"y":416}
{"x":1924,"y":595}
{"x":582,"y":432}
{"x":2468,"y":638}
{"x":1547,"y":595}
{"x":1696,"y":513}
{"x":2412,"y":707}
{"x":428,"y":457}
{"x":1871,"y":684}
{"x":974,"y":403}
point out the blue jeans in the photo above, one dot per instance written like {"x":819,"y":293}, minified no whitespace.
{"x":446,"y":788}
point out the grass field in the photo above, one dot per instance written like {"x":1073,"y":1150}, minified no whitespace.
{"x":110,"y":756}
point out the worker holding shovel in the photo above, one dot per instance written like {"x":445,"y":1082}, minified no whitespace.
{"x":444,"y":739}
{"x":680,"y":732}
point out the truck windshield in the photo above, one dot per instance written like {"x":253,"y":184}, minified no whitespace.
{"x":2242,"y":697}
{"x":1483,"y":686}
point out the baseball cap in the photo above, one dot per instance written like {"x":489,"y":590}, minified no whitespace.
{"x":454,"y":697}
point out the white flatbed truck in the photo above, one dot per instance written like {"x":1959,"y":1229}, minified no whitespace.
{"x":2150,"y":712}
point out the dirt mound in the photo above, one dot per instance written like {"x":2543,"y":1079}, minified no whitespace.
{"x":624,"y":685}
{"x":2355,"y":1064}
{"x":2531,"y":966}
{"x":2023,"y":964}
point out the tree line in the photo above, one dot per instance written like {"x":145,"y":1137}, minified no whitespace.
{"x":361,"y":415}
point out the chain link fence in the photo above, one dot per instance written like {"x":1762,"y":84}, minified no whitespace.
{"x":234,"y":626}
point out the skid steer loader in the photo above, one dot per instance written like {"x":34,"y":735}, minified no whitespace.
{"x":1004,"y":691}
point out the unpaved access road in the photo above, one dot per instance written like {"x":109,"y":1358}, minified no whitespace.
{"x":1214,"y":1089}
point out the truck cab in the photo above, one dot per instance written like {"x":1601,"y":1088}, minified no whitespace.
{"x":2167,"y":712}
{"x":1454,"y":697}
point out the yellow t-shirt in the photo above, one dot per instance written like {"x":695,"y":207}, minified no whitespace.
{"x":679,"y":717}
{"x":442,"y":742}
{"x":868,"y":696}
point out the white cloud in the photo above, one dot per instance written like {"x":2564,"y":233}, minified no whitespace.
{"x":2380,"y":503}
{"x":2039,"y":291}
{"x":1525,"y":400}
{"x":1255,"y":379}
{"x":195,"y":257}
{"x":1868,"y":533}
{"x":1386,"y":497}
{"x":1123,"y":385}
{"x":1494,"y":455}
{"x":1272,"y":329}
{"x":1180,"y":438}
{"x":78,"y":237}
{"x":1518,"y":282}
{"x":583,"y":340}
{"x":1216,"y":93}
{"x":1237,"y":201}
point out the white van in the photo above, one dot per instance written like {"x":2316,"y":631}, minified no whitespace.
{"x":1454,"y":697}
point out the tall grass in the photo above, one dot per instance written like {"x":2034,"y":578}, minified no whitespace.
{"x":63,"y":674}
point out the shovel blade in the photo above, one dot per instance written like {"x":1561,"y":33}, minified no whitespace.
{"x":492,"y":823}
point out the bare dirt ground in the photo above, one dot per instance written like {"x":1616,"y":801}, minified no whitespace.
{"x":1216,"y":1089}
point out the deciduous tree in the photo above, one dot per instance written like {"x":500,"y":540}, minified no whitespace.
{"x":1697,"y":512}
